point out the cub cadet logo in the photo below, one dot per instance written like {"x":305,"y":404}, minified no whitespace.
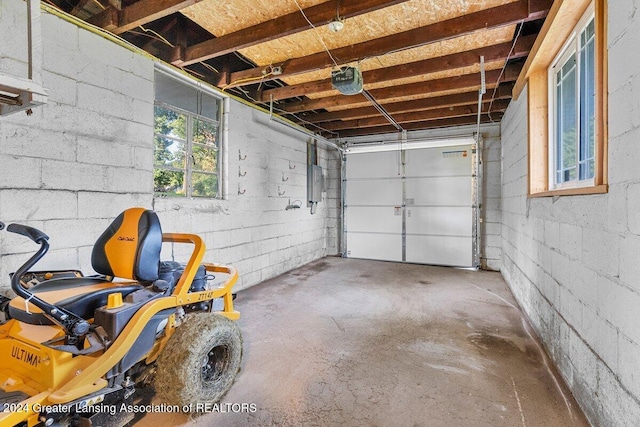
{"x":24,"y":356}
{"x":127,"y":239}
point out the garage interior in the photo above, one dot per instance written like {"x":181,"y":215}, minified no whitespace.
{"x":381,"y":173}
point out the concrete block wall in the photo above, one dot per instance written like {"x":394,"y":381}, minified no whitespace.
{"x":254,"y":231}
{"x":333,"y":185}
{"x":572,"y":262}
{"x":86,"y":155}
{"x":78,"y":160}
{"x":490,"y":228}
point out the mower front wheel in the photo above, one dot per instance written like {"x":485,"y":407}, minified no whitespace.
{"x":200,"y":362}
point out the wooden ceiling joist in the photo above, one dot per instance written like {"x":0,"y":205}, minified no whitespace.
{"x":77,"y":9}
{"x":418,"y":116}
{"x":508,"y":14}
{"x":282,"y":26}
{"x":139,"y":13}
{"x":420,"y":58}
{"x":82,"y":9}
{"x":467,"y":98}
{"x":468,"y":81}
{"x":432,"y":65}
{"x":428,"y":124}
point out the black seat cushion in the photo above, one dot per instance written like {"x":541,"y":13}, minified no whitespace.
{"x":83,"y":305}
{"x":65,"y":283}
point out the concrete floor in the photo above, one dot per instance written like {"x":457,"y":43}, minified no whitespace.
{"x":343,"y":342}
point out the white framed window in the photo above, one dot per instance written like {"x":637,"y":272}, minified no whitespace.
{"x":187,"y":136}
{"x":572,"y":108}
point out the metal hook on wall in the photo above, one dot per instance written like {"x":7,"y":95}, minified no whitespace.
{"x":291,"y":167}
{"x":284,"y":179}
{"x":279,"y":193}
{"x":241,"y":192}
{"x":240,"y":155}
{"x":240,"y":172}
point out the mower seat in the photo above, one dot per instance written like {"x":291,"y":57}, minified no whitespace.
{"x":82,"y":298}
{"x":129,"y":249}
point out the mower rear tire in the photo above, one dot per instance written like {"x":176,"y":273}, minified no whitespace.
{"x":200,"y":362}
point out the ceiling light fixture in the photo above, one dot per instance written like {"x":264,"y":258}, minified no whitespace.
{"x":336,"y":25}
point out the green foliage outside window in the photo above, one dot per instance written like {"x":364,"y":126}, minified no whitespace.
{"x":186,"y":154}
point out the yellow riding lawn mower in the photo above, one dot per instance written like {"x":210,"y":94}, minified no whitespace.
{"x":75,"y":350}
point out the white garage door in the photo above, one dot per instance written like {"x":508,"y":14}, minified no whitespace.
{"x":413,"y":205}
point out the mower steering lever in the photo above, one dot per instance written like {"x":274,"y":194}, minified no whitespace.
{"x":30,"y":232}
{"x":74,"y":325}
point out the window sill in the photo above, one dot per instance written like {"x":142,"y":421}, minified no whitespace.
{"x":577,"y":191}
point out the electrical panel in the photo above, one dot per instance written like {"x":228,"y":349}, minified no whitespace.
{"x":314,"y":183}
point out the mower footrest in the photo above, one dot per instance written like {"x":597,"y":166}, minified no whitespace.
{"x":7,"y":398}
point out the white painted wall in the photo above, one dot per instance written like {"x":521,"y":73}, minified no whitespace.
{"x":81,"y":159}
{"x":83,"y":156}
{"x":572,"y":262}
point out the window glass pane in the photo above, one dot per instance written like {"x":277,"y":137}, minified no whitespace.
{"x":204,"y":185}
{"x":204,"y":158}
{"x":170,"y":123}
{"x":172,"y":92}
{"x":205,"y":133}
{"x":589,"y":32}
{"x":558,"y":136}
{"x":209,"y":107}
{"x":169,"y":153}
{"x":186,"y":142}
{"x":587,"y":103}
{"x":566,"y":121}
{"x":169,"y":182}
{"x":170,"y":133}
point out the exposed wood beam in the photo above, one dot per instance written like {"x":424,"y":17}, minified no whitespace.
{"x":539,"y":9}
{"x":182,"y":30}
{"x":116,"y":4}
{"x":225,"y":73}
{"x":282,"y":26}
{"x":508,"y":14}
{"x":428,"y":124}
{"x":107,"y":19}
{"x":432,"y":65}
{"x":79,"y":7}
{"x":139,"y":13}
{"x":466,"y":98}
{"x":511,"y":73}
{"x":420,"y":116}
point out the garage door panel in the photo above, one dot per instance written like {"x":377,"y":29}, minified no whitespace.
{"x":452,"y":191}
{"x":374,"y":192}
{"x":440,"y":250}
{"x":426,"y":217}
{"x":373,"y":219}
{"x":374,"y":165}
{"x":385,"y":247}
{"x":446,"y":221}
{"x":439,"y":161}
